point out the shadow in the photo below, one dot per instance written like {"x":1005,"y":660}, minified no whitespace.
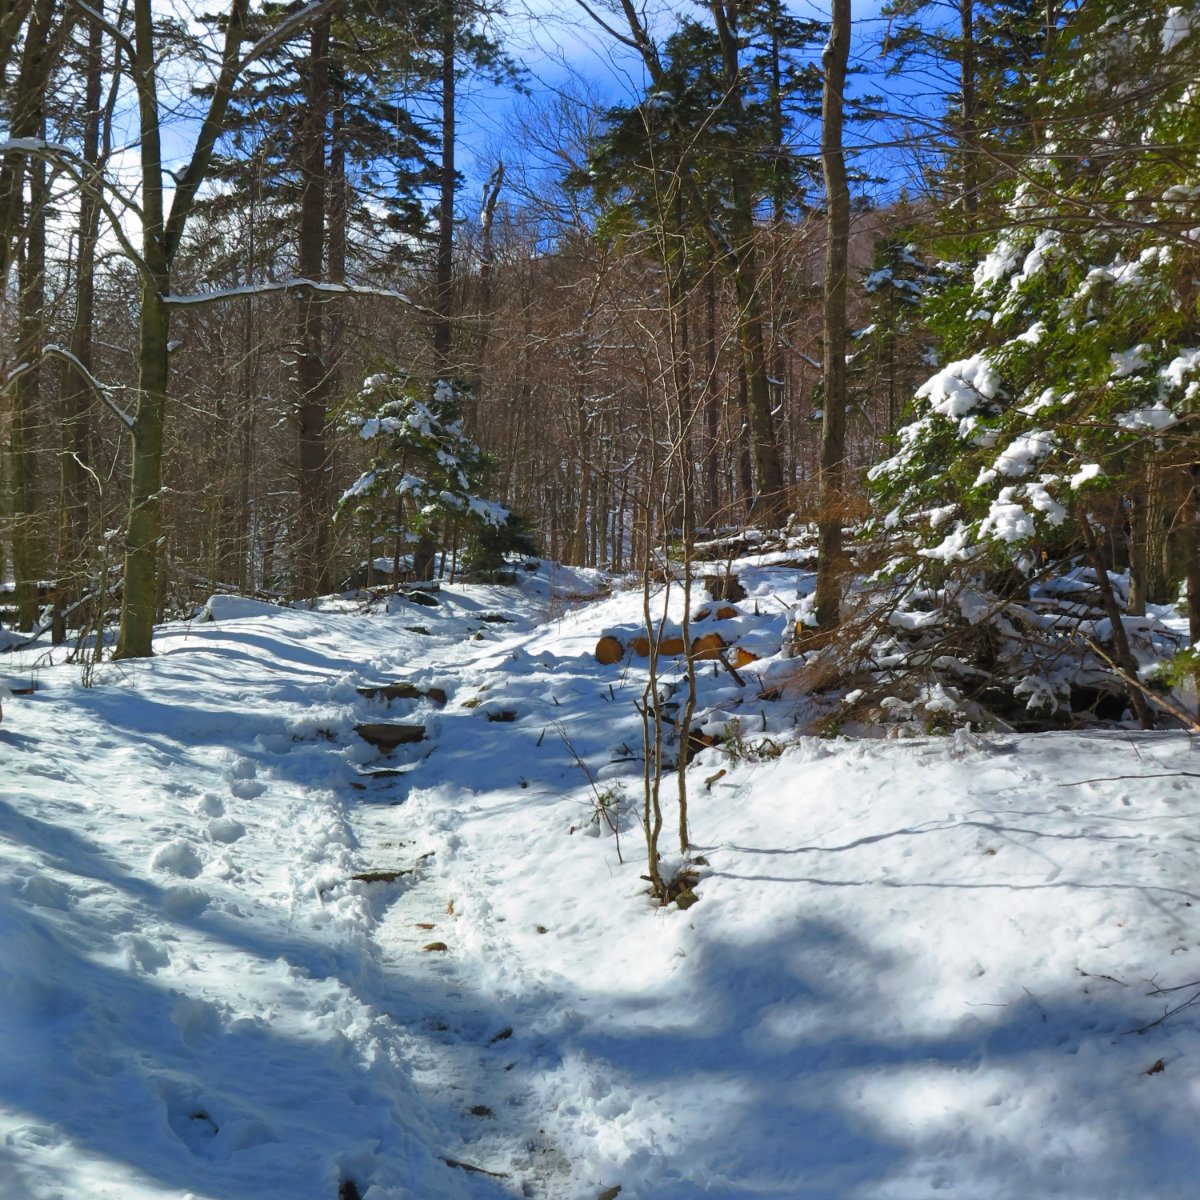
{"x":19,"y":741}
{"x":940,"y":827}
{"x":784,"y":1065}
{"x":113,"y":1072}
{"x":787,"y":1067}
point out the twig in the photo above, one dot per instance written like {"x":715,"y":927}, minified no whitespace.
{"x":730,"y":668}
{"x":1170,"y":1012}
{"x":1116,"y":778}
{"x":613,"y":820}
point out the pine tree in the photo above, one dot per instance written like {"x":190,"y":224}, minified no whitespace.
{"x":425,"y":476}
{"x":1074,"y":345}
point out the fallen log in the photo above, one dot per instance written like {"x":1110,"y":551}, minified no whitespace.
{"x":388,"y":737}
{"x":402,"y":691}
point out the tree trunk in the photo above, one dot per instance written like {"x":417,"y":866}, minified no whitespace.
{"x":1121,"y":650}
{"x":1158,"y":525}
{"x":711,"y":401}
{"x":740,"y":251}
{"x":491,"y":196}
{"x":75,"y":396}
{"x":968,"y":131}
{"x":1138,"y":516}
{"x":313,"y":510}
{"x":43,"y":46}
{"x":1191,"y":517}
{"x":27,"y":542}
{"x":160,"y":241}
{"x":770,"y":502}
{"x":445,"y":244}
{"x":831,"y":486}
{"x":423,"y":558}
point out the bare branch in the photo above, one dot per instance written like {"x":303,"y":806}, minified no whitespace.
{"x":61,"y":352}
{"x":198,"y":299}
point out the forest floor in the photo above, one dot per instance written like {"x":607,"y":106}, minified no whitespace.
{"x":934,"y":966}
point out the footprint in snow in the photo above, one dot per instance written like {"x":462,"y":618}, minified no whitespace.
{"x":211,"y":805}
{"x":184,"y":902}
{"x":243,"y":783}
{"x":46,"y":893}
{"x":225,"y":830}
{"x":178,"y":857}
{"x":242,"y":768}
{"x":145,"y":953}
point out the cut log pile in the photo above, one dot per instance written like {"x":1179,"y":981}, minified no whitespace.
{"x":708,"y":646}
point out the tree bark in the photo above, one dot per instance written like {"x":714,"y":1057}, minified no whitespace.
{"x":312,"y":576}
{"x":44,"y":42}
{"x":1138,"y":541}
{"x":1121,"y":649}
{"x":770,"y":502}
{"x":76,"y":396}
{"x":445,"y":246}
{"x":831,"y":480}
{"x":160,"y":241}
{"x":28,"y":556}
{"x":968,"y":120}
{"x":739,"y":249}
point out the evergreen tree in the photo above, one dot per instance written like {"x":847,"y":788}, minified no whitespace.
{"x":425,"y":476}
{"x":894,"y":345}
{"x":1074,"y":345}
{"x":989,"y":58}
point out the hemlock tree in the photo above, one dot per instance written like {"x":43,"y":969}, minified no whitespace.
{"x":987,"y":58}
{"x":424,"y":476}
{"x":1074,"y":345}
{"x":894,"y":344}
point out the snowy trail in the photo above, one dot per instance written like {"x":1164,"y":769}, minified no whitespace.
{"x":914,"y":970}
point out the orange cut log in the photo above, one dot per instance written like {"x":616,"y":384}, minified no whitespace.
{"x":743,"y":658}
{"x":708,"y":646}
{"x":609,"y":651}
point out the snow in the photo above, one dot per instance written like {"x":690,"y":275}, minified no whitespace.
{"x":1128,"y":361}
{"x":915,"y":967}
{"x":958,"y":388}
{"x":1021,"y":455}
{"x":1174,"y":374}
{"x":1176,"y":29}
{"x":1006,"y":519}
{"x":1157,"y":417}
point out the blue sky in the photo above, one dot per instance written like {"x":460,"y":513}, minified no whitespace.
{"x":557,"y":43}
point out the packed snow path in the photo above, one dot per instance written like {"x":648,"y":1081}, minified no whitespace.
{"x":915,"y":969}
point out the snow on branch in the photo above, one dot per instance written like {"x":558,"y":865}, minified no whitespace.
{"x":61,"y":352}
{"x":99,"y":19}
{"x":287,"y":28}
{"x":287,"y":285}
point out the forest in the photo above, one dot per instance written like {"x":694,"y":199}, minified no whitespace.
{"x":922,"y":287}
{"x":599,"y":600}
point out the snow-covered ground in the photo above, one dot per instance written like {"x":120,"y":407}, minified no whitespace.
{"x":916,"y":967}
